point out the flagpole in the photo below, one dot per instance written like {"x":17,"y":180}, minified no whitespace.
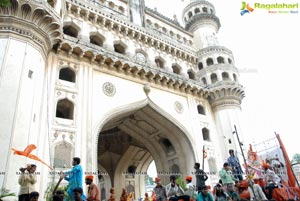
{"x":246,"y":166}
{"x":287,"y":161}
{"x":203,"y":150}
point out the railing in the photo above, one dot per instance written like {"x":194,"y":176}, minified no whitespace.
{"x":132,"y":61}
{"x":214,"y":49}
{"x":145,"y":31}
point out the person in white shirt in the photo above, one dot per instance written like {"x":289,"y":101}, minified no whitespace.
{"x":27,"y":181}
{"x":174,"y":191}
{"x":272,"y":180}
{"x":189,"y":187}
{"x":258,"y":193}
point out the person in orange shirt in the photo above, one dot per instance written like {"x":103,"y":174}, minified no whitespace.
{"x":93,"y":191}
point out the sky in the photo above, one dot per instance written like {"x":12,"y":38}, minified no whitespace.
{"x":266,"y":51}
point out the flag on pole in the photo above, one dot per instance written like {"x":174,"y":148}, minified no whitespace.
{"x":27,"y":153}
{"x":290,"y":174}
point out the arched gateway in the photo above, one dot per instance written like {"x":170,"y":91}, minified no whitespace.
{"x":52,"y":93}
{"x":131,"y":137}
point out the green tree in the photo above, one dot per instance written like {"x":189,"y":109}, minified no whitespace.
{"x":5,"y":3}
{"x":296,"y":158}
{"x":50,"y":188}
{"x":180,"y":181}
{"x":149,"y":180}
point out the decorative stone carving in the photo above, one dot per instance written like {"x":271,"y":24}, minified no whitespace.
{"x":178,"y":107}
{"x":109,"y":89}
{"x":44,"y":32}
{"x":147,"y":89}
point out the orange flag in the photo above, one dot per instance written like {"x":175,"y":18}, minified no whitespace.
{"x":27,"y":153}
{"x":291,"y":176}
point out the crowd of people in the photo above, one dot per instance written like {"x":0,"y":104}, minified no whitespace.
{"x":27,"y":181}
{"x":227,"y":189}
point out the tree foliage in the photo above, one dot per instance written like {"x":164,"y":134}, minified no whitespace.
{"x":5,"y":3}
{"x":296,"y":158}
{"x":6,"y":193}
{"x":180,"y":181}
{"x":50,"y":189}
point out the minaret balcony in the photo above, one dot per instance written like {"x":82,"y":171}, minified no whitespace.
{"x":212,"y":50}
{"x":201,"y":18}
{"x":220,"y":67}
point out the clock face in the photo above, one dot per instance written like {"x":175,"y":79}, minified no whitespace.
{"x":140,"y":57}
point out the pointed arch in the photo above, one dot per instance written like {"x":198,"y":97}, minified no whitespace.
{"x":213,"y":78}
{"x":209,"y":61}
{"x":176,"y":69}
{"x":221,"y":60}
{"x":160,"y":62}
{"x":179,"y":131}
{"x":225,"y":76}
{"x":203,"y":80}
{"x":67,"y":74}
{"x":26,"y":10}
{"x":63,"y":153}
{"x":200,"y":65}
{"x":200,"y":109}
{"x":65,"y":109}
{"x":191,"y":74}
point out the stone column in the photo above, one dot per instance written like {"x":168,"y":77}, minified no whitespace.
{"x":24,"y":48}
{"x":226,"y":105}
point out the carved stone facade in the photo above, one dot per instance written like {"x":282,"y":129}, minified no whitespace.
{"x":118,"y":85}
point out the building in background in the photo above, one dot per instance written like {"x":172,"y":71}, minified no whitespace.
{"x":296,"y":169}
{"x":118,"y":85}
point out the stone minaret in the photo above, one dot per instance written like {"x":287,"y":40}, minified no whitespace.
{"x":137,"y":12}
{"x":217,"y":71}
{"x":28,"y":31}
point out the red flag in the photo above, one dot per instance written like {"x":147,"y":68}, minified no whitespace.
{"x":291,"y":177}
{"x":27,"y":153}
